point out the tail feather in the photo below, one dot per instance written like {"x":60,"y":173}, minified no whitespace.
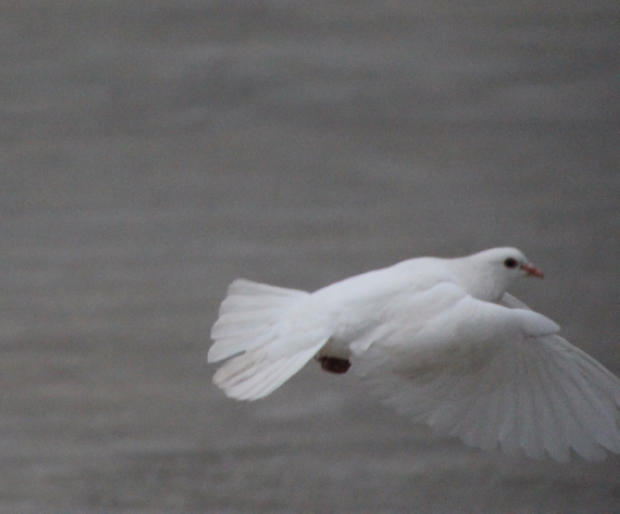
{"x":246,"y":316}
{"x":254,"y":329}
{"x":250,"y":376}
{"x":247,"y":288}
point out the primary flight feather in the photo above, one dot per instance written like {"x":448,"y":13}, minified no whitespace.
{"x":441,"y":340}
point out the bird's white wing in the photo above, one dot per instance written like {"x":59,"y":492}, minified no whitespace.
{"x":495,"y":376}
{"x":513,"y":302}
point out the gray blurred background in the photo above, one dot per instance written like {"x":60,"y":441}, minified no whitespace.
{"x":153,"y":151}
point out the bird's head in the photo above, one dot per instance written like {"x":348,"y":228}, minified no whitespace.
{"x":510,"y":262}
{"x":497,"y":269}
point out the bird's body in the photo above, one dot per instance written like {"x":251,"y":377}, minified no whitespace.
{"x":442,"y":340}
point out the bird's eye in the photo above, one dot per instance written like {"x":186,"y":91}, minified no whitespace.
{"x":511,"y":262}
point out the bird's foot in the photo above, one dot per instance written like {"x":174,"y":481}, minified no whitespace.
{"x":334,"y":364}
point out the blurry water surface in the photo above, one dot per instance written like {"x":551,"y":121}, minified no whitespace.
{"x":151,"y":152}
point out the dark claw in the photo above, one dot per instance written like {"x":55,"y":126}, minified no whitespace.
{"x":334,"y":365}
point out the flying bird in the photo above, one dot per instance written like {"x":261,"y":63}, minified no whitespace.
{"x":442,"y":341}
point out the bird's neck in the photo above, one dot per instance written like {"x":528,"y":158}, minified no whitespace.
{"x":478,"y":282}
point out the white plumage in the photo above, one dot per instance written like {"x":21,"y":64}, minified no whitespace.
{"x":442,"y":341}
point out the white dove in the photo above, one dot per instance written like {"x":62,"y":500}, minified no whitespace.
{"x":442,"y":340}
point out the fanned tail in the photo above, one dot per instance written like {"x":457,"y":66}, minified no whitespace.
{"x":255,"y":327}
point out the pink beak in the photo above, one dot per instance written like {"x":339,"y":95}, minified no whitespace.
{"x":533,"y":270}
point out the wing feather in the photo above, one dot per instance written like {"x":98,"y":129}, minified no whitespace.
{"x":507,"y":380}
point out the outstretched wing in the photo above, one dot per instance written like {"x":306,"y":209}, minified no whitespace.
{"x":496,"y":376}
